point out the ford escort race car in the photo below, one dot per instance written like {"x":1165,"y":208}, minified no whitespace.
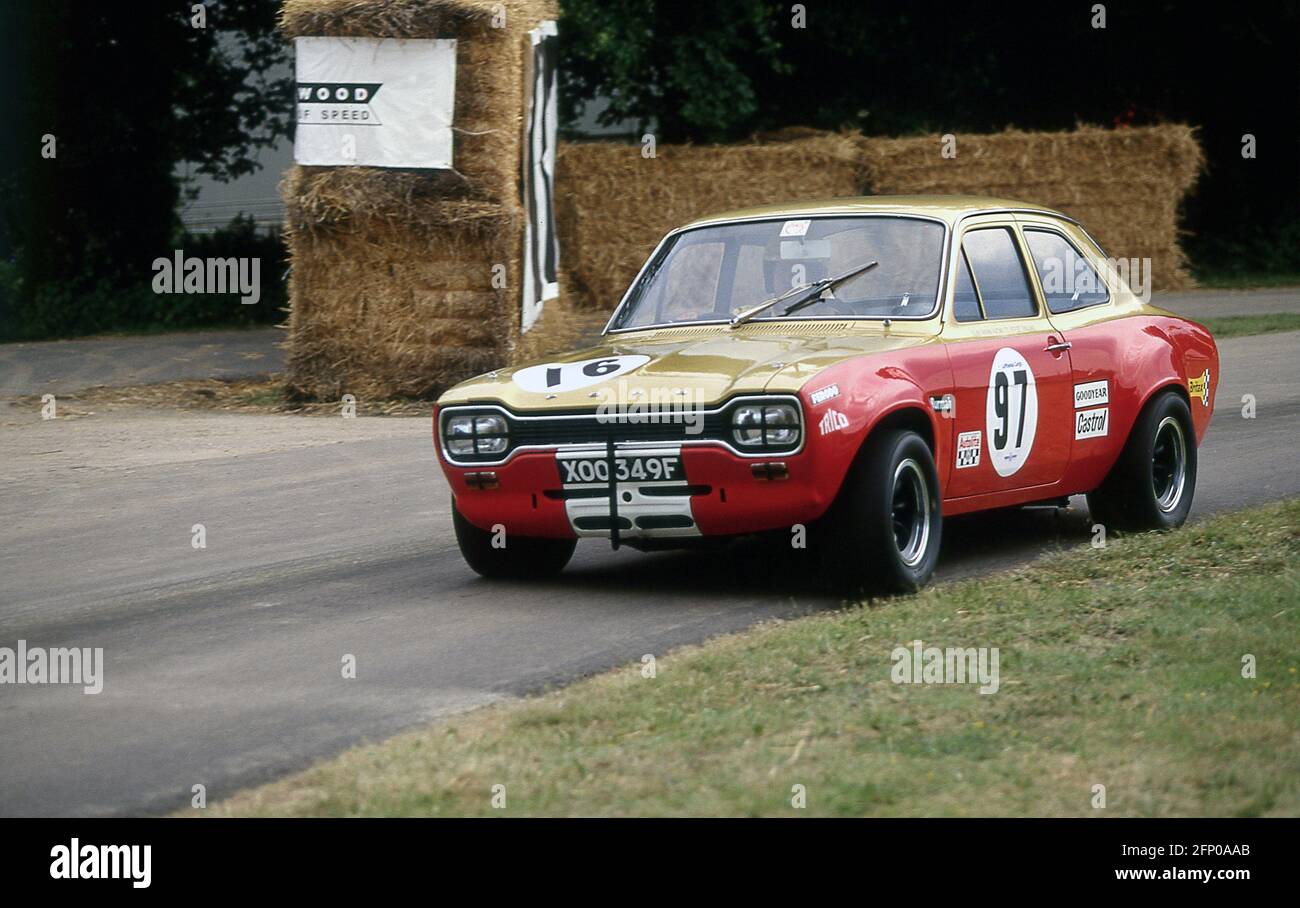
{"x":854,"y":368}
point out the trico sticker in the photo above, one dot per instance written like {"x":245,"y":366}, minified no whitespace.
{"x":833,"y":421}
{"x":1010,"y":411}
{"x":1091,"y":394}
{"x":968,"y":449}
{"x":821,"y":395}
{"x":1091,"y":423}
{"x":1200,"y":387}
{"x":795,"y":228}
{"x":553,"y":378}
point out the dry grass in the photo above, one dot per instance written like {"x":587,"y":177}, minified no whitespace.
{"x":267,"y":394}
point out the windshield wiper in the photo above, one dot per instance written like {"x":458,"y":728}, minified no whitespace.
{"x":811,"y":293}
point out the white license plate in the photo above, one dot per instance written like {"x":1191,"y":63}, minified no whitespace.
{"x":632,"y":468}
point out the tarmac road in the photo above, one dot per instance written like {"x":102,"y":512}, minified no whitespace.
{"x":223,"y":665}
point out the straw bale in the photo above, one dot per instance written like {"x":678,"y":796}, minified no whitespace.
{"x":1124,"y":185}
{"x":614,"y":205}
{"x":392,"y":285}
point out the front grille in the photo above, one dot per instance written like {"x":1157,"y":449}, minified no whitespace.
{"x":666,"y":427}
{"x":573,"y":430}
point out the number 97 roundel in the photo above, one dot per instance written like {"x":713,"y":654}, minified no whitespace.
{"x":1011,"y":414}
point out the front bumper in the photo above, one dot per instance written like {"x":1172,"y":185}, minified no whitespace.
{"x":722,"y":494}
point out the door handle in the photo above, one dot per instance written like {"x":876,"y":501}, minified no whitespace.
{"x":1057,"y":346}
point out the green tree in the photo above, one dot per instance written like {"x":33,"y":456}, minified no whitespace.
{"x":127,"y":91}
{"x":688,"y":67}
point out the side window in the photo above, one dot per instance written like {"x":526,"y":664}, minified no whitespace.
{"x":1004,"y":286}
{"x":1069,"y":281}
{"x":965,"y":303}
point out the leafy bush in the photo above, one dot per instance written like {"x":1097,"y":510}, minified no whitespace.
{"x":79,"y":306}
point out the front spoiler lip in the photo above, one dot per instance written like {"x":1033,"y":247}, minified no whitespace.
{"x":601,"y":445}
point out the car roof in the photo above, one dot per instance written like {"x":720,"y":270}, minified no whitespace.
{"x":950,"y":208}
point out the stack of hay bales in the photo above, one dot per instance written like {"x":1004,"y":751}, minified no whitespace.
{"x":1123,"y":185}
{"x":614,"y":204}
{"x":391,"y":289}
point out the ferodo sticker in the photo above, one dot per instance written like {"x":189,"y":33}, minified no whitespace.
{"x":1200,"y":387}
{"x":1011,"y":411}
{"x":555,"y":378}
{"x":968,"y":449}
{"x":1091,"y":423}
{"x":821,"y":395}
{"x":1091,"y":394}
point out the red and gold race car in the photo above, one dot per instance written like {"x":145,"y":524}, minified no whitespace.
{"x":846,"y":372}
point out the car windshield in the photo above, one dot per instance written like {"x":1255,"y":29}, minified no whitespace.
{"x":713,"y":273}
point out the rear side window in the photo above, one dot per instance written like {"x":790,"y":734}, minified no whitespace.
{"x":1069,"y":281}
{"x":965,"y":304}
{"x":1004,"y":286}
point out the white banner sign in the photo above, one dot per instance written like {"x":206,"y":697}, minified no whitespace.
{"x":382,"y":102}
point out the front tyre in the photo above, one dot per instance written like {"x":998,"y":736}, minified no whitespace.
{"x":884,"y":529}
{"x":1151,"y":485}
{"x":514,"y":557}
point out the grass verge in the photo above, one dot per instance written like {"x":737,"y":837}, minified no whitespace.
{"x":1119,"y":666}
{"x":1250,"y":280}
{"x":1241,"y":325}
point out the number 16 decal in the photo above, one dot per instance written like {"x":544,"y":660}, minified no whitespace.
{"x":557,"y":377}
{"x":1011,"y":413}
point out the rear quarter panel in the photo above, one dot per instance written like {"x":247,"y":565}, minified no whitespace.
{"x":1143,"y":354}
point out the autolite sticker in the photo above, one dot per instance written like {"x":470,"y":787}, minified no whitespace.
{"x":821,"y":395}
{"x":968,"y":449}
{"x":1091,"y":423}
{"x":1091,"y":394}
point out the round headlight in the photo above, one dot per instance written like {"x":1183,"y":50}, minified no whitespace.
{"x":460,"y":435}
{"x":772,"y":424}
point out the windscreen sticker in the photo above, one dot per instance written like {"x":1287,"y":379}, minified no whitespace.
{"x":556,"y":378}
{"x":795,"y":228}
{"x":1011,"y":411}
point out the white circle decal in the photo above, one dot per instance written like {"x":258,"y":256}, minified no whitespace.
{"x":555,"y":378}
{"x":1011,"y":414}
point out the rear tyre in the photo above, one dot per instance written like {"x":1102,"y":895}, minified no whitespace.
{"x":520,"y":558}
{"x":1151,"y":485}
{"x":883,"y":532}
